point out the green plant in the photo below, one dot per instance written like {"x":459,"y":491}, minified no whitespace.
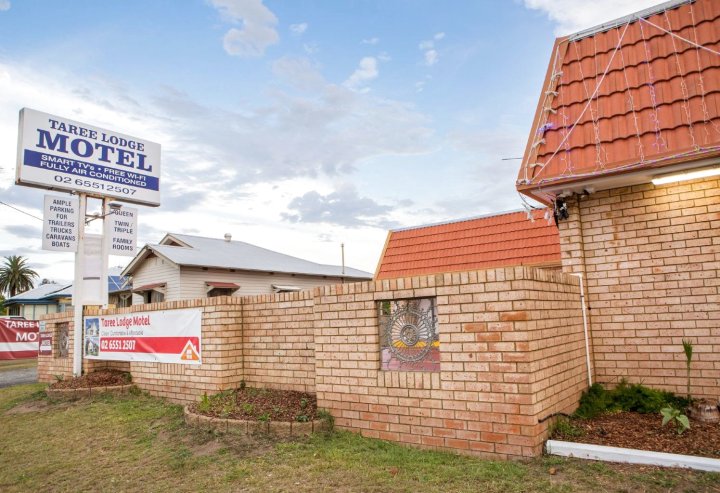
{"x":242,"y":385}
{"x":204,"y":405}
{"x":264,"y":417}
{"x":595,"y":400}
{"x":135,"y":390}
{"x":688,"y":350}
{"x":127,"y":377}
{"x":563,"y":427}
{"x":303,"y":403}
{"x":682,"y":422}
{"x":248,"y":408}
{"x":302,"y":419}
{"x":626,"y":397}
{"x":329,"y":419}
{"x":59,"y":378}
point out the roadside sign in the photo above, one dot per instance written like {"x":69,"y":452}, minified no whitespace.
{"x":60,"y":223}
{"x":60,"y":154}
{"x":121,"y":231}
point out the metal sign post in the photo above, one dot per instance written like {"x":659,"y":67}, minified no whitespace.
{"x":78,"y":287}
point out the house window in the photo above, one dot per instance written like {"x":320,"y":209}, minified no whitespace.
{"x":409,"y":335}
{"x":220,"y":288}
{"x":153,"y":296}
{"x":14,"y":310}
{"x":214,"y":292}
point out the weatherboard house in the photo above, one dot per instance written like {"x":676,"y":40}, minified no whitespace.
{"x":182,"y":267}
{"x":625,"y":146}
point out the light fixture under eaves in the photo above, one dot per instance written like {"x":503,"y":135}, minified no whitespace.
{"x":686,"y":175}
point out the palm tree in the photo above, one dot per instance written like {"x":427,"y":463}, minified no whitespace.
{"x":16,"y":276}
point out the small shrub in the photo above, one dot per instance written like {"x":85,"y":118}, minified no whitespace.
{"x":127,"y":377}
{"x":59,"y":378}
{"x":135,"y":390}
{"x":329,"y":419}
{"x":302,"y":419}
{"x":682,"y":422}
{"x":264,"y":417}
{"x":563,"y":427}
{"x":242,"y":385}
{"x":688,"y":350}
{"x":204,"y":405}
{"x":594,"y":401}
{"x":248,"y":408}
{"x":303,"y":403}
{"x":626,"y":397}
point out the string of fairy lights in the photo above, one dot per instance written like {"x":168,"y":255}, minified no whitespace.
{"x":556,"y":88}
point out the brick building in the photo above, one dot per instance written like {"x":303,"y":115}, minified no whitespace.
{"x":625,"y":146}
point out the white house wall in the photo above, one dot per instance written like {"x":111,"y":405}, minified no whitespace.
{"x":155,"y":270}
{"x":192,"y":281}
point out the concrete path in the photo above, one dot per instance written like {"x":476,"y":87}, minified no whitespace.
{"x":9,"y":378}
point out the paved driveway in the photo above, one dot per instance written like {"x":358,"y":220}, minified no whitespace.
{"x":17,"y":377}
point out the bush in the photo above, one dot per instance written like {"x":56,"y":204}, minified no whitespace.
{"x":626,"y":397}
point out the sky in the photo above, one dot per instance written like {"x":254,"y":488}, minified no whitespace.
{"x":292,"y":125}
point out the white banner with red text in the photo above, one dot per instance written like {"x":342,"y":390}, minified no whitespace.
{"x":18,"y":338}
{"x":166,"y":336}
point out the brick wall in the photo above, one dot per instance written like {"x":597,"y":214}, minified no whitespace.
{"x":651,"y":256}
{"x":278,"y":345}
{"x":221,"y":353}
{"x":512,"y":354}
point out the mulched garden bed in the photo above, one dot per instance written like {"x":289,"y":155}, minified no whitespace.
{"x":253,"y":404}
{"x":100,"y":378}
{"x":644,"y":432}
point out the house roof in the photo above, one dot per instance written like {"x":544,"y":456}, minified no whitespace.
{"x":45,"y":293}
{"x":499,"y":240}
{"x":199,"y":251}
{"x":629,"y":97}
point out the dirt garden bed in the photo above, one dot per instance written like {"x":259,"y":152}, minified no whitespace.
{"x":251,"y":410}
{"x":644,"y":432}
{"x":629,"y":416}
{"x":101,"y":381}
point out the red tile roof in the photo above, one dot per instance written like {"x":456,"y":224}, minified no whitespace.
{"x":501,"y":240}
{"x":627,"y":97}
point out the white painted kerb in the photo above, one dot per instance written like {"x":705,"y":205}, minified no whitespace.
{"x":631,"y":456}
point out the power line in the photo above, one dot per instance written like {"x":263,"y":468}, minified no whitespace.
{"x":19,"y":210}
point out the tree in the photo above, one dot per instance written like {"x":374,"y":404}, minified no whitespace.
{"x":16,"y":276}
{"x":3,"y":310}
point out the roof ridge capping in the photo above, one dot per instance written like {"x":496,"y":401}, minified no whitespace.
{"x":465,"y":219}
{"x":641,"y":14}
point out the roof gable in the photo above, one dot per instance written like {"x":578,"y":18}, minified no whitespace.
{"x":641,"y":93}
{"x":500,"y":240}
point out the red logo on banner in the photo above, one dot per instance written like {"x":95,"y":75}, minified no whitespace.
{"x":189,"y":353}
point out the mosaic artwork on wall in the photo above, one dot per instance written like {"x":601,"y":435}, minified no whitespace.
{"x":408,"y":335}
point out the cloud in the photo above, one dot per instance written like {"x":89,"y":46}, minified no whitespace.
{"x":367,"y":70}
{"x":257,"y":31}
{"x":575,"y":15}
{"x":4,"y":5}
{"x":371,"y":41}
{"x":431,"y":57}
{"x":343,"y":207}
{"x":430,"y":54}
{"x":298,"y":29}
{"x":30,"y":232}
{"x":298,"y":72}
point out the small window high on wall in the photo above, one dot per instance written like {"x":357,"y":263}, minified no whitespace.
{"x":409,"y":335}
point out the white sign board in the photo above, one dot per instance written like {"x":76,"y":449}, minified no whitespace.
{"x":92,"y":285}
{"x":60,"y":154}
{"x":121,"y":230}
{"x":167,"y":336}
{"x":60,"y":223}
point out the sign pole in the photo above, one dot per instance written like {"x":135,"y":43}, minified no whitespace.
{"x":105,"y":249}
{"x":78,"y":287}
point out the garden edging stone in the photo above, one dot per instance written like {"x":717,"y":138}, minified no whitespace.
{"x":71,"y":394}
{"x":228,"y":425}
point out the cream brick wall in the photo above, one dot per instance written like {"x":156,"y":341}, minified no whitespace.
{"x":511,"y":349}
{"x":512,"y":355}
{"x":651,"y":256}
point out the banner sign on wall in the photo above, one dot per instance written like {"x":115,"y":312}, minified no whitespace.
{"x":121,"y":229}
{"x":167,"y":336}
{"x":18,"y":338}
{"x":62,"y":154}
{"x":45,"y":348}
{"x":60,"y":223}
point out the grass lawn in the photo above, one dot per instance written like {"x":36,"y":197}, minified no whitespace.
{"x":138,"y":443}
{"x":18,"y":364}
